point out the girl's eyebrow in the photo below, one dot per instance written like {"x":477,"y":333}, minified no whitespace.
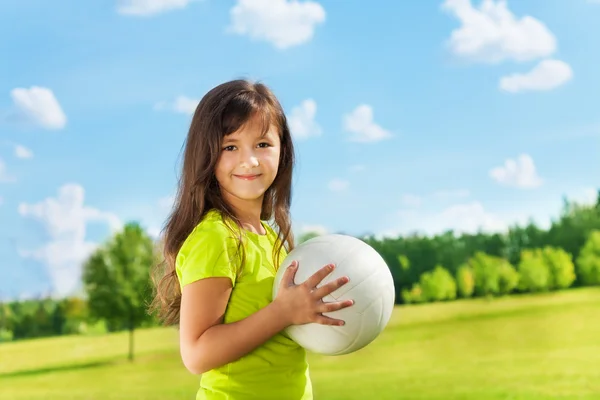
{"x":235,"y":140}
{"x":230,"y":140}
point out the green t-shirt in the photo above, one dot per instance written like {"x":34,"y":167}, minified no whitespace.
{"x":276,"y":370}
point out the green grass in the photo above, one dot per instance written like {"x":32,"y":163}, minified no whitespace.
{"x":518,"y":348}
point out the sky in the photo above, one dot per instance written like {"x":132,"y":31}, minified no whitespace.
{"x":416,"y":116}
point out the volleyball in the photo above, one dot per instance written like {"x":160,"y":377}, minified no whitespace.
{"x":371,"y":286}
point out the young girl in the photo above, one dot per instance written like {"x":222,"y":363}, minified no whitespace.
{"x":221,"y":254}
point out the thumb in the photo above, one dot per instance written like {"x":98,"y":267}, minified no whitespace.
{"x":290,"y":274}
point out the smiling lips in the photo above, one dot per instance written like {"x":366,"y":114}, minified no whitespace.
{"x":248,"y":177}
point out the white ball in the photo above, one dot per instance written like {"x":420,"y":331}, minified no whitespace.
{"x":371,"y":286}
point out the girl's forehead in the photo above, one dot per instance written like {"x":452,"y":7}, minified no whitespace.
{"x":253,"y":129}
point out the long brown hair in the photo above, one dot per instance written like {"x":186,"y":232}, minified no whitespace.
{"x":222,"y":111}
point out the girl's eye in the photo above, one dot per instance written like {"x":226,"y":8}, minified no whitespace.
{"x":264,"y":144}
{"x":229,"y":148}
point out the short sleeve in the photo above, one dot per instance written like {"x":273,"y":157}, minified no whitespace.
{"x":206,"y":254}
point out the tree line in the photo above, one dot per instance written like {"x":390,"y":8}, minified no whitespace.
{"x":524,"y":259}
{"x":440,"y":267}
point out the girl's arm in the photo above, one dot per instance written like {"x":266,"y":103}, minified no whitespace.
{"x":206,"y":343}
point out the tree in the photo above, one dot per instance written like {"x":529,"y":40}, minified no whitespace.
{"x":508,"y":277}
{"x":117,"y":280}
{"x":414,"y":295}
{"x":6,"y":333}
{"x":588,"y":262}
{"x":465,"y":281}
{"x":485,"y":270}
{"x":521,"y":238}
{"x":75,"y":313}
{"x":576,"y":223}
{"x":438,"y":285}
{"x":561,"y":267}
{"x":534,"y":272}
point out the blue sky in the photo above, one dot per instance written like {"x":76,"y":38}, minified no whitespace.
{"x":425,"y":115}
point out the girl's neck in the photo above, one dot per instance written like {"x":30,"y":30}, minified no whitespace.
{"x":250,"y":218}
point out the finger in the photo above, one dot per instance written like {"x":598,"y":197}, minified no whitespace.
{"x":323,"y":320}
{"x":290,"y":274}
{"x":318,"y":276}
{"x":334,"y":306}
{"x":331,"y":287}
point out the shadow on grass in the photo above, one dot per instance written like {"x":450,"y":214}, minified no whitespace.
{"x":59,"y":368}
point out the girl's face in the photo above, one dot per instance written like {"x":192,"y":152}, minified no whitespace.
{"x":248,"y":164}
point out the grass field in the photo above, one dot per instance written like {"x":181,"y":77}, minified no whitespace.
{"x":528,"y":347}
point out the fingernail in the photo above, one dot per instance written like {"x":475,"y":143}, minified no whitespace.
{"x":341,"y":323}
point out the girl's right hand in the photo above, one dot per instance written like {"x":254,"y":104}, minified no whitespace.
{"x":303,"y":303}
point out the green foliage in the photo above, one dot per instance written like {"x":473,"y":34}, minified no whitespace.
{"x":508,"y":277}
{"x":404,"y":262}
{"x":492,"y":275}
{"x":5,"y":335}
{"x":414,"y":295}
{"x":575,"y":225}
{"x":490,"y":258}
{"x":465,"y":281}
{"x":588,"y":262}
{"x":306,"y":236}
{"x":485,"y":270}
{"x":117,"y":280}
{"x":75,"y":313}
{"x":520,"y":238}
{"x":533,"y":271}
{"x":561,"y":267}
{"x":437,"y":285}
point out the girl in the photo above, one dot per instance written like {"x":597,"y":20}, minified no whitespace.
{"x":221,"y":255}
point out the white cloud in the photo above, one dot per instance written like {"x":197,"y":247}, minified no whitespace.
{"x":360,"y":123}
{"x":23,"y":152}
{"x":166,"y":203}
{"x":282,"y":23}
{"x":587,"y":195}
{"x":149,"y":7}
{"x":185,"y":105}
{"x":4,"y":175}
{"x":411,"y":200}
{"x":590,"y":195}
{"x":39,"y":105}
{"x":547,"y":75}
{"x":492,"y":33}
{"x":302,"y":120}
{"x":338,"y":185}
{"x":154,"y":232}
{"x":65,"y":218}
{"x":518,"y":173}
{"x":461,"y":218}
{"x":181,"y":105}
{"x":164,"y":207}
